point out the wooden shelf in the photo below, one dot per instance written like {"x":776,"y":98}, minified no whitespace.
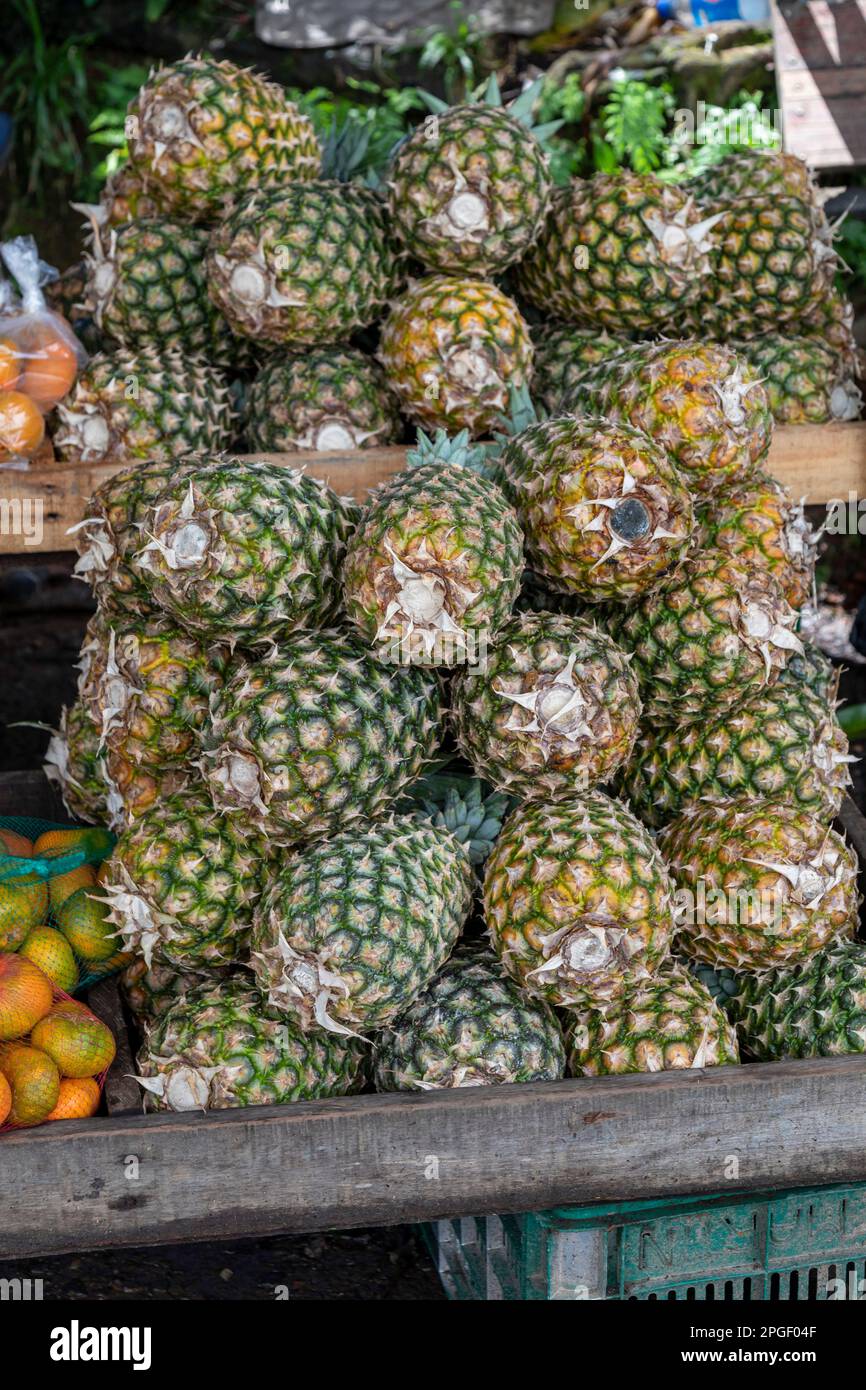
{"x":817,"y":462}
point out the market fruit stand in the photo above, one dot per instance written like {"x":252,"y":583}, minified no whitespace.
{"x":130,"y":1179}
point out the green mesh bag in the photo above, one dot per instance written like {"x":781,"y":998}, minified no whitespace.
{"x":50,"y":904}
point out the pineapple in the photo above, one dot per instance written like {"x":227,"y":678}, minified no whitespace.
{"x":150,"y":991}
{"x":352,"y":929}
{"x":317,"y":736}
{"x":699,"y":402}
{"x":578,"y":901}
{"x":452,"y":348}
{"x":127,"y":196}
{"x":181,"y":884}
{"x":784,"y":744}
{"x":204,"y":132}
{"x":469,"y":189}
{"x":812,"y":668}
{"x":831,"y":322}
{"x":146,"y":289}
{"x":306,"y":263}
{"x":659,"y":1025}
{"x":812,"y":1008}
{"x":605,"y":513}
{"x":718,"y":632}
{"x":760,"y":883}
{"x":328,"y":398}
{"x":434,"y":567}
{"x":219,"y":1047}
{"x":562,"y":356}
{"x":144,"y":405}
{"x":245,"y":552}
{"x":755,"y":173}
{"x":454,"y":800}
{"x":554,"y":710}
{"x":135,"y":790}
{"x":759,"y":524}
{"x":806,"y":380}
{"x":471,"y":1026}
{"x":75,"y":763}
{"x":619,"y":250}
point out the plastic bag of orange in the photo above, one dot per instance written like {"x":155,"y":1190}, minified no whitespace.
{"x":40,"y":356}
{"x":54,"y":1053}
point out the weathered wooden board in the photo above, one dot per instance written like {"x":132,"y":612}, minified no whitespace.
{"x":37,"y":507}
{"x":821,"y":76}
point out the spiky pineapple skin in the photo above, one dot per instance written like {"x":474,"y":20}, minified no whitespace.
{"x":445,"y":522}
{"x":577,"y":717}
{"x":598,"y":261}
{"x":128,"y":196}
{"x":451,"y":348}
{"x":307,"y":263}
{"x":554,"y":471}
{"x":75,"y":763}
{"x":469,"y":191}
{"x":784,"y":743}
{"x":715,"y":633}
{"x":806,"y":380}
{"x":698,"y":401}
{"x":758,"y":523}
{"x":813,"y":1008}
{"x":762,"y":917}
{"x":353,"y":928}
{"x":203,"y":132}
{"x":324,"y":399}
{"x":317,"y":737}
{"x":665,"y":1024}
{"x":754,"y":173}
{"x":258,"y":1058}
{"x":471,"y":1026}
{"x":144,"y":405}
{"x":150,"y":991}
{"x":267,"y":542}
{"x":182,"y":881}
{"x":563,"y":354}
{"x":580,"y":882}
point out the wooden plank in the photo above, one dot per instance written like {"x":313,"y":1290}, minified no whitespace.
{"x":820,"y":52}
{"x":37,"y":508}
{"x":122,"y":1094}
{"x":377,"y":1160}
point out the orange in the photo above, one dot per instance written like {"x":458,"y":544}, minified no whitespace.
{"x":25,"y":995}
{"x":5,"y":1099}
{"x":16,"y":844}
{"x":50,"y":950}
{"x":10,"y":365}
{"x":83,"y":919}
{"x":34,"y":1081}
{"x":96,"y":841}
{"x":23,"y":906}
{"x":78,"y":1099}
{"x":22,"y":428}
{"x":64,"y":885}
{"x":50,"y":365}
{"x":77,"y":1043}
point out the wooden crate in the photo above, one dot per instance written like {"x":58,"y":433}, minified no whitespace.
{"x":132,"y":1179}
{"x":820,"y":53}
{"x":818,"y":462}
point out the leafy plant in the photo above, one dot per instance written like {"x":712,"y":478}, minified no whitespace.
{"x":743,"y":125}
{"x":457,"y":52}
{"x":566,"y":103}
{"x":851,"y":245}
{"x":107,"y":127}
{"x":634,"y":122}
{"x":385,"y":117}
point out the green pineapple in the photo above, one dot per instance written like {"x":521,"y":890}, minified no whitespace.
{"x":219,"y":1047}
{"x":553,"y":711}
{"x":353,"y":928}
{"x":578,"y":901}
{"x":144,"y":405}
{"x":717,"y":632}
{"x":456,"y":801}
{"x":619,"y":251}
{"x":812,"y":668}
{"x":151,"y":990}
{"x":471,"y":1026}
{"x":243,"y":552}
{"x":812,"y":1008}
{"x":452,"y":349}
{"x":760,"y":883}
{"x":806,"y":380}
{"x":758,"y":522}
{"x":203,"y":133}
{"x":562,"y":356}
{"x":305,"y":263}
{"x":469,"y":189}
{"x":182,"y":882}
{"x":605,"y":513}
{"x":663,"y":1024}
{"x":324,"y":399}
{"x":755,"y":172}
{"x":699,"y":402}
{"x":434,"y":567}
{"x":317,"y":736}
{"x":784,"y":744}
{"x":75,"y":763}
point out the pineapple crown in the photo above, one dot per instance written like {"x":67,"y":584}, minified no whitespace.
{"x":520,"y":109}
{"x":346,"y":154}
{"x":457,"y":801}
{"x":457,"y":450}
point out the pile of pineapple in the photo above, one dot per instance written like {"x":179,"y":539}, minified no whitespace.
{"x":593,"y":612}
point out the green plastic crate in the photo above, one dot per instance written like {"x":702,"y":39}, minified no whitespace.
{"x":808,"y":1244}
